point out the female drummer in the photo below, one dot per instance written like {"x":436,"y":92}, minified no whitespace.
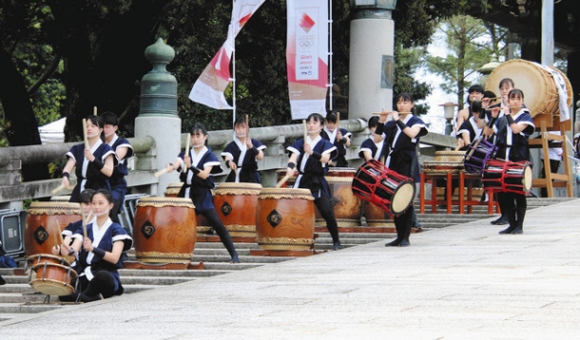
{"x":512,"y":134}
{"x":472,"y":128}
{"x":309,"y":158}
{"x":372,"y":148}
{"x":339,"y":137}
{"x":197,"y":169}
{"x":242,"y":155}
{"x":402,"y":136}
{"x":102,"y":253}
{"x":94,"y":165}
{"x":72,"y":242}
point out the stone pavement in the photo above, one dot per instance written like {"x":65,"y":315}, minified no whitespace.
{"x":460,"y":282}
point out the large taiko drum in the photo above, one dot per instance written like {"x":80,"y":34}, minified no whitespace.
{"x":507,"y":176}
{"x":444,"y":161}
{"x":164,"y":230}
{"x":51,"y":275}
{"x":285,"y":219}
{"x":536,"y":81}
{"x":203,"y":225}
{"x":44,"y":223}
{"x":236,"y":205}
{"x":480,"y":151}
{"x":347,"y":207}
{"x":384,"y":187}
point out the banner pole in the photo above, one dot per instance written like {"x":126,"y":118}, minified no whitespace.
{"x":329,"y":85}
{"x":233,"y":62}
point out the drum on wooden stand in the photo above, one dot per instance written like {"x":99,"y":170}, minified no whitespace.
{"x":164,"y":230}
{"x":347,"y":207}
{"x":203,"y":226}
{"x":236,"y":205}
{"x":480,"y":151}
{"x":51,"y":275}
{"x":44,"y":223}
{"x":375,"y":183}
{"x":285,"y":219}
{"x":507,"y":176}
{"x":445,"y":161}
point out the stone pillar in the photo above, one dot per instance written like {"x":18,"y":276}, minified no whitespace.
{"x":372,"y":35}
{"x":158,"y":112}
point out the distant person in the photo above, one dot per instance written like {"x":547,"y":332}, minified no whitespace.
{"x":474,"y":93}
{"x":242,"y":155}
{"x":339,"y":137}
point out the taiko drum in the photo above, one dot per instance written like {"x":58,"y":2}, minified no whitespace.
{"x":203,"y":225}
{"x":164,"y":230}
{"x":285,"y":219}
{"x":347,"y":207}
{"x":44,"y":223}
{"x":51,"y":275}
{"x":236,"y":205}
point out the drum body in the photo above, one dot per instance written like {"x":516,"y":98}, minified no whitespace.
{"x":203,"y":225}
{"x":375,"y":216}
{"x":506,"y":176}
{"x":444,"y":162}
{"x":387,"y":189}
{"x":347,"y":207}
{"x":44,"y":223}
{"x":164,"y":230}
{"x":236,"y":205}
{"x":285,"y":219}
{"x":533,"y":79}
{"x":480,"y":151}
{"x":51,"y":274}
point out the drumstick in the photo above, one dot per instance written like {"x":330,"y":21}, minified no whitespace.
{"x":56,"y":237}
{"x":85,"y":134}
{"x":59,"y":232}
{"x":247,"y":126}
{"x":84,"y":223}
{"x":282,"y":181}
{"x":161,"y":172}
{"x":470,"y":153}
{"x":94,"y":111}
{"x":338,"y":121}
{"x":186,"y":149}
{"x":304,"y":128}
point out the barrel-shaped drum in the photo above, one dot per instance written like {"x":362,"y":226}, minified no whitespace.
{"x":376,"y":217}
{"x":285,"y":219}
{"x":203,"y":225}
{"x":51,"y":275}
{"x":164,"y":230}
{"x":236,"y":205}
{"x":444,"y":161}
{"x":347,"y":207}
{"x":44,"y":223}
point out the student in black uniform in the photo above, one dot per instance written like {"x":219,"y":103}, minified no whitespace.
{"x":242,"y":155}
{"x":402,"y":136}
{"x":339,"y":137}
{"x":309,"y":157}
{"x":197,"y":170}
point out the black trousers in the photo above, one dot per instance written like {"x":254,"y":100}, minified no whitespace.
{"x":327,"y":212}
{"x":221,"y":230}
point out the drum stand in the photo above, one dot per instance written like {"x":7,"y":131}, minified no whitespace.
{"x":552,"y":179}
{"x":162,"y":266}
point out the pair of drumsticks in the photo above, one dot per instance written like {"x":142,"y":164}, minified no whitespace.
{"x":58,"y":237}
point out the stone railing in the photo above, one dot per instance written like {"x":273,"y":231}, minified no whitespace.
{"x":141,"y":178}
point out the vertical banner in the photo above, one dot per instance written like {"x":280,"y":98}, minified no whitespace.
{"x":209,"y":88}
{"x":307,"y":56}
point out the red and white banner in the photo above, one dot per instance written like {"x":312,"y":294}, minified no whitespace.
{"x":307,"y":56}
{"x":210,"y":86}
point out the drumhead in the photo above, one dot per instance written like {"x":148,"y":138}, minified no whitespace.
{"x":528,"y":178}
{"x":403,"y":197}
{"x":540,"y":91}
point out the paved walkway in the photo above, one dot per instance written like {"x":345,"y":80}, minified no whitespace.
{"x":461,"y":282}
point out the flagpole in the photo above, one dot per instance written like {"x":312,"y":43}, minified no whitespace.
{"x":329,"y":85}
{"x":233,"y":63}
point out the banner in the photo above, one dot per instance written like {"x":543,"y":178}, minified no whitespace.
{"x":307,"y":56}
{"x":209,"y":88}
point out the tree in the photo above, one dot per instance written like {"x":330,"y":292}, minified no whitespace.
{"x":466,"y":40}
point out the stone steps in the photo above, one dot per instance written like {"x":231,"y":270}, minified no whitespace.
{"x":18,"y":298}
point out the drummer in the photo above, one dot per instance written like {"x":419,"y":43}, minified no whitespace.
{"x":512,"y":134}
{"x":339,"y":137}
{"x":242,"y":155}
{"x":309,"y":158}
{"x":72,"y":241}
{"x":101,"y":254}
{"x":471,"y":129}
{"x":197,"y":169}
{"x":372,"y":148}
{"x":402,"y":136}
{"x":474,"y":94}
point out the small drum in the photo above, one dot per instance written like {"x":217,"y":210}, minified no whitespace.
{"x":236,"y":205}
{"x":507,"y":176}
{"x":164,"y":230}
{"x":44,"y":223}
{"x":51,"y":274}
{"x":203,"y":225}
{"x":387,"y":189}
{"x":480,"y":151}
{"x":285,"y":219}
{"x":347,"y":207}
